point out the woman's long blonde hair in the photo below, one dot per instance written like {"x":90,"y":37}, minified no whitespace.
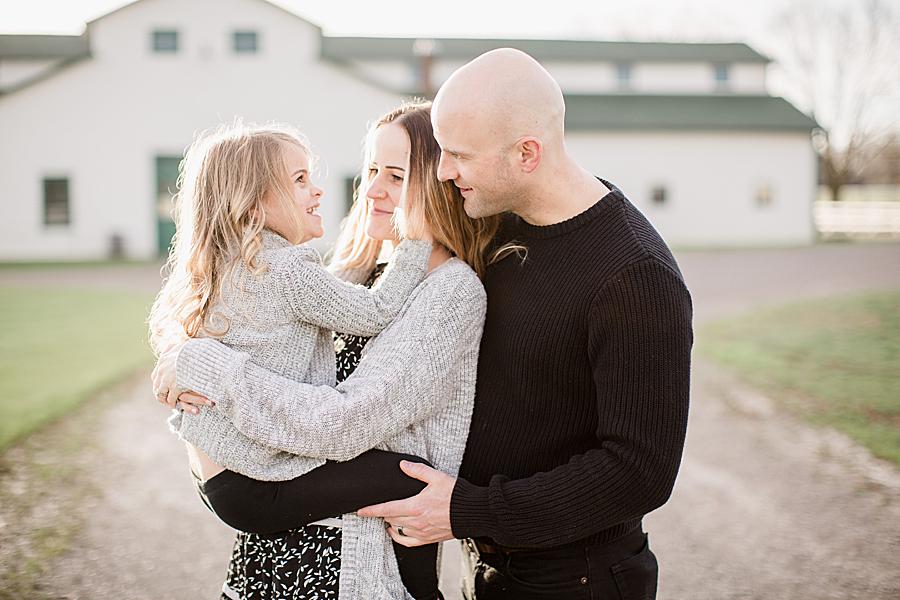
{"x":219,"y":214}
{"x":466,"y":238}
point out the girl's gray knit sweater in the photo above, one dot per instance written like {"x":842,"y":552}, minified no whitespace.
{"x":284,"y":317}
{"x":412,"y":391}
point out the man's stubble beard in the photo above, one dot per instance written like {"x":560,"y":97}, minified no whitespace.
{"x":507,"y":196}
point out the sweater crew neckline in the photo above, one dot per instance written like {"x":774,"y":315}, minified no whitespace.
{"x":571,"y":224}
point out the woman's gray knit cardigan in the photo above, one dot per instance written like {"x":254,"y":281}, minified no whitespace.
{"x":412,"y":392}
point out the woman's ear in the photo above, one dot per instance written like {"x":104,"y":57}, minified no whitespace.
{"x":529,"y":151}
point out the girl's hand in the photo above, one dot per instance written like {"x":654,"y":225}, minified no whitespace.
{"x":411,"y":224}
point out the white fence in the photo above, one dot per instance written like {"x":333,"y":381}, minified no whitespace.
{"x":857,"y":219}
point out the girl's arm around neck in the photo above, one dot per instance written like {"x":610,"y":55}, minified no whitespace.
{"x":317,"y":296}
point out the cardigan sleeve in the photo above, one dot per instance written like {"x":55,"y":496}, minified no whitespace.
{"x":397,"y":382}
{"x":317,"y":296}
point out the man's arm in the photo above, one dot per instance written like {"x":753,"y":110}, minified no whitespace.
{"x":640,"y":344}
{"x":393,"y":386}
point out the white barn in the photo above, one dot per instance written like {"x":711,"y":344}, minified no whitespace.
{"x":92,"y":127}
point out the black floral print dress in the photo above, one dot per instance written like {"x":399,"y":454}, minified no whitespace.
{"x":302,"y":563}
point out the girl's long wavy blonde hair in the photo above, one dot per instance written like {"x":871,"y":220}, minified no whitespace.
{"x":219,"y":214}
{"x":442,"y":205}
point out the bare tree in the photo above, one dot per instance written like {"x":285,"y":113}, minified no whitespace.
{"x":882,"y":164}
{"x":840,"y":63}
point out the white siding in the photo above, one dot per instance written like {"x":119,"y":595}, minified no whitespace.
{"x":392,"y":74}
{"x":584,"y":78}
{"x":712,"y":180}
{"x":681,"y":78}
{"x":15,"y":72}
{"x":747,"y":78}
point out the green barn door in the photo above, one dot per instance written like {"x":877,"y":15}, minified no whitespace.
{"x":166,"y":178}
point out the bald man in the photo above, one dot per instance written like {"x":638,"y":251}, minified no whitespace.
{"x":583,"y":376}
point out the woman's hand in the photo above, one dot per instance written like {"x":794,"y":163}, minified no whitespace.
{"x":410,"y":222}
{"x":164,"y":383}
{"x":163,"y":376}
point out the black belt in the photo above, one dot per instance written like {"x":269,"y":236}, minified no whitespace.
{"x":631,"y":539}
{"x":481,"y":546}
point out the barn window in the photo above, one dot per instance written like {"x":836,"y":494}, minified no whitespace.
{"x":56,"y":201}
{"x":659,"y":195}
{"x":245,"y":42}
{"x":623,"y":75}
{"x":764,"y":196}
{"x":165,"y":40}
{"x":721,"y":76}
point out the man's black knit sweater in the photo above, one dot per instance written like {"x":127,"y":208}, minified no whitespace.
{"x":583,"y":382}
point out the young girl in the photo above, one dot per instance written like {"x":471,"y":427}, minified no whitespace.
{"x":240,"y":273}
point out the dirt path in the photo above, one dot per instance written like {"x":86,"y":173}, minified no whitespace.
{"x":765,"y":506}
{"x":147,"y":535}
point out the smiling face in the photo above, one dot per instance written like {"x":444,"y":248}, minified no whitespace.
{"x":475,"y":162}
{"x":387,"y":171}
{"x":297,"y":218}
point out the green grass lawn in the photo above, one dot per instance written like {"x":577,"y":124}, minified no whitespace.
{"x":835,"y":361}
{"x":60,"y":347}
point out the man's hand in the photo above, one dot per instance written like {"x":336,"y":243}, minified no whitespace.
{"x":424,"y":518}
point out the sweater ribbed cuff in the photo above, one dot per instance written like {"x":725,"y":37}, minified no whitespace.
{"x":417,"y":245}
{"x":203,"y":366}
{"x":416,"y":252}
{"x":470,"y":511}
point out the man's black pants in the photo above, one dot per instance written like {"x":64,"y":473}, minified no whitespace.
{"x":624,"y":569}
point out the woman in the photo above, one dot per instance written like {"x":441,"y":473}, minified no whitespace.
{"x":412,"y":392}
